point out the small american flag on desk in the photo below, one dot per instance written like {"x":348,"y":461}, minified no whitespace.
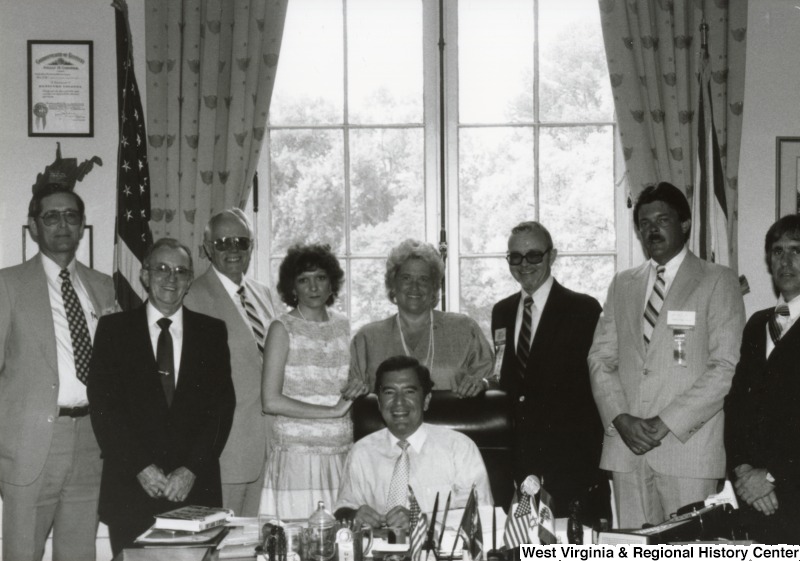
{"x":133,"y":236}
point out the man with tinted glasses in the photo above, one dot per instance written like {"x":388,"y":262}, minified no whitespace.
{"x":542,"y":335}
{"x":246,"y":307}
{"x":49,"y":458}
{"x":162,"y":401}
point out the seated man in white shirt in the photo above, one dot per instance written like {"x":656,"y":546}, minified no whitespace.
{"x":408,"y":453}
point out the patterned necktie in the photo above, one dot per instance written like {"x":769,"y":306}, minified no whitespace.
{"x":654,"y":304}
{"x":524,"y":341}
{"x":398,"y":488}
{"x":255,"y":321}
{"x":775,"y":327}
{"x":78,"y":330}
{"x":166,"y":359}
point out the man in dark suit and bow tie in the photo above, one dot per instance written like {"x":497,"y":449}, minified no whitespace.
{"x":542,"y":335}
{"x":161,"y":399}
{"x":762,"y":421}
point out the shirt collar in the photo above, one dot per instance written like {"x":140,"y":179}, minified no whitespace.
{"x":230,"y":287}
{"x":416,"y":440}
{"x":153,"y":315}
{"x":541,"y":294}
{"x":53,"y":269}
{"x":794,"y":306}
{"x":672,"y":266}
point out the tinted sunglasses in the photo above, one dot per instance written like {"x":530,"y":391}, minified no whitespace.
{"x":532,"y":257}
{"x":232,"y":242}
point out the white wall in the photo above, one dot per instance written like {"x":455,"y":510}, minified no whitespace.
{"x":771,"y":108}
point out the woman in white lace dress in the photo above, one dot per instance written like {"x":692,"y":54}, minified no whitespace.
{"x":306,"y":362}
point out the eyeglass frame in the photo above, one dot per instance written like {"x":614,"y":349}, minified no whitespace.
{"x":162,"y":271}
{"x":524,"y":257}
{"x":59,"y":215}
{"x":235,"y":242}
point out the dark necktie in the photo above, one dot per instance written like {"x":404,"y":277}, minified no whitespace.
{"x":653,"y":308}
{"x":165,"y":359}
{"x":255,"y":321}
{"x":775,"y":327}
{"x":78,"y":330}
{"x":524,"y":341}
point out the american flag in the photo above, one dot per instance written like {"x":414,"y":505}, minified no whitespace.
{"x":710,"y":228}
{"x":418,"y":534}
{"x":470,"y":527}
{"x":520,"y":521}
{"x":133,"y":235}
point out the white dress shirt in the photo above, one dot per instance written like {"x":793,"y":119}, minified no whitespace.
{"x":670,"y":270}
{"x":71,"y":391}
{"x":539,"y":300}
{"x":175,"y":329}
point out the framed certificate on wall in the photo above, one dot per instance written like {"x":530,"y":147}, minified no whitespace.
{"x":787,"y":175}
{"x":60,"y":88}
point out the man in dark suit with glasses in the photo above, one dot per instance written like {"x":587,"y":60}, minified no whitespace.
{"x":161,"y":401}
{"x":542,"y":336}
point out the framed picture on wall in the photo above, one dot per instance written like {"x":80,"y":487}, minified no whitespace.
{"x":60,"y":88}
{"x":85,"y":253}
{"x":787,"y":175}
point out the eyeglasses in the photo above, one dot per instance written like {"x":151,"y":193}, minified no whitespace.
{"x":232,"y":242}
{"x":53,"y":217}
{"x":162,"y":271}
{"x":532,"y":257}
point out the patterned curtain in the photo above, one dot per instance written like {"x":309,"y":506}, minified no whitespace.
{"x":653,"y":50}
{"x":211,"y":67}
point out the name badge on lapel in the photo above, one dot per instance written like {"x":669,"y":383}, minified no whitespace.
{"x":680,"y":322}
{"x":499,"y":351}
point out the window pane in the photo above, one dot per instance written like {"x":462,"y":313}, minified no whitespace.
{"x":495,"y":60}
{"x":309,"y":84}
{"x":484,"y":282}
{"x":577,"y":187}
{"x":307,"y":188}
{"x":495,"y":185}
{"x":369,"y":294}
{"x":384,"y":44}
{"x":590,"y":275}
{"x":573,"y":74}
{"x":387,"y":189}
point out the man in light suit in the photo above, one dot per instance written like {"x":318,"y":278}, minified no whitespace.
{"x":224,"y":292}
{"x":49,"y":459}
{"x":661,"y":363}
{"x":762,"y":419}
{"x":558,"y":434}
{"x":161,"y":401}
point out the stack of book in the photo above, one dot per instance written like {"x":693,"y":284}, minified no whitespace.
{"x":189,"y":533}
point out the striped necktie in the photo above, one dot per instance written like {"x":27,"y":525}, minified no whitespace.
{"x":775,"y":327}
{"x":524,"y":341}
{"x":398,"y":487}
{"x":255,"y":321}
{"x":78,"y":330}
{"x":654,"y":304}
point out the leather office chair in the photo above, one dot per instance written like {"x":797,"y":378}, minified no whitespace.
{"x":486,"y":419}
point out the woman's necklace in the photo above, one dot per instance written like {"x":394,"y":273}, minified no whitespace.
{"x":431,"y":347}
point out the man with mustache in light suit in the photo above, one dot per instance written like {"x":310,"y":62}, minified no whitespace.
{"x":661,"y":363}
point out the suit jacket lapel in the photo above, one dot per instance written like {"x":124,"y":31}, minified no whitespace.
{"x":188,"y":352}
{"x":637,"y":288}
{"x":36,"y":299}
{"x":549,"y":325}
{"x":238,"y":327}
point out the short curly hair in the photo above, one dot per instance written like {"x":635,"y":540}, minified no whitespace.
{"x":414,"y":249}
{"x":302,"y":258}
